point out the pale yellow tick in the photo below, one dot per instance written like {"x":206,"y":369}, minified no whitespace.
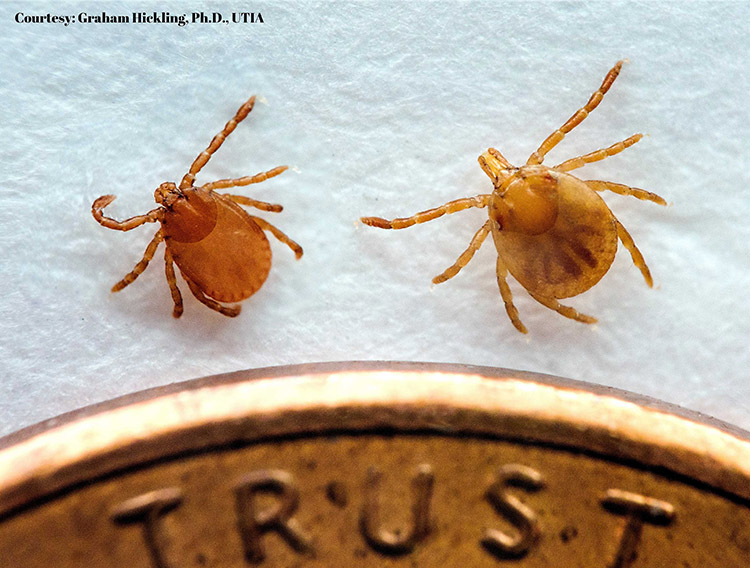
{"x":552,"y":231}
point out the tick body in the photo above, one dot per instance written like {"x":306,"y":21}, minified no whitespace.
{"x":221,"y":251}
{"x":553,"y":232}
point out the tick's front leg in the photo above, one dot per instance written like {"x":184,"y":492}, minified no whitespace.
{"x":216,"y":142}
{"x":556,"y":137}
{"x":99,"y":204}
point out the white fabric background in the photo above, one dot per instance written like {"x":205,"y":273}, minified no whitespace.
{"x":381,"y":109}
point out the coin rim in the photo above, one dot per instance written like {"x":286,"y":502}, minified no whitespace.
{"x":312,"y":399}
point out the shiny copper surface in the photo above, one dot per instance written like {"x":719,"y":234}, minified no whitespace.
{"x":377,"y":464}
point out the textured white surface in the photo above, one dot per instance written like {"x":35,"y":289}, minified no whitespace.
{"x":381,"y":109}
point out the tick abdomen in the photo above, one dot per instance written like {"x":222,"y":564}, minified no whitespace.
{"x":232,"y":261}
{"x":570,"y":257}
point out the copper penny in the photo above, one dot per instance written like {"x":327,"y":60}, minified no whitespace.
{"x":377,"y":464}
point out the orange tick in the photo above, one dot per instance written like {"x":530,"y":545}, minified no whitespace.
{"x":221,"y":251}
{"x":552,"y":231}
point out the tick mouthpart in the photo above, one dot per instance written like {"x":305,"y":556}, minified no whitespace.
{"x":496,"y":166}
{"x":167,"y":193}
{"x":493,"y":163}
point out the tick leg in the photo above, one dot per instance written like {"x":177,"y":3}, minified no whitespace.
{"x":229,"y":311}
{"x":466,"y":256}
{"x":141,"y":266}
{"x":262,"y":205}
{"x":556,"y":137}
{"x":507,"y":295}
{"x":598,"y":155}
{"x":566,"y":311}
{"x":172,"y":281}
{"x":429,"y":215}
{"x":216,"y":143}
{"x":247,"y":180}
{"x":126,"y":225}
{"x":266,"y":226}
{"x":636,"y":255}
{"x":598,"y":185}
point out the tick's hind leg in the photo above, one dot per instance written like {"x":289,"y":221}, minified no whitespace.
{"x":266,"y":226}
{"x":247,"y":180}
{"x":429,"y":215}
{"x":635,"y":254}
{"x":229,"y":311}
{"x":172,"y":281}
{"x":141,"y":266}
{"x":466,"y":256}
{"x":216,"y":143}
{"x":507,"y":295}
{"x":566,"y":311}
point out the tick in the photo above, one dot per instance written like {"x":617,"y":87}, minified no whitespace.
{"x":553,"y":232}
{"x":222,"y":251}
